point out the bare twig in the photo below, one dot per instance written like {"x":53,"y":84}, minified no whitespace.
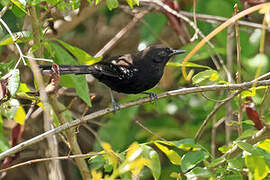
{"x":72,"y":139}
{"x":230,"y":59}
{"x":103,"y":112}
{"x":219,"y":19}
{"x":238,"y":77}
{"x":209,"y":117}
{"x":121,"y":33}
{"x":50,"y":159}
{"x":4,"y":10}
{"x":148,"y":130}
{"x":184,"y":18}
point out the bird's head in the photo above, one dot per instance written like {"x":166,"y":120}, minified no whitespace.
{"x":160,"y":53}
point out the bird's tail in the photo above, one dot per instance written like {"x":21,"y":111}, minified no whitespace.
{"x":68,"y":69}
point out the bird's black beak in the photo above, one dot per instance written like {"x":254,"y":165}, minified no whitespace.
{"x":175,"y":52}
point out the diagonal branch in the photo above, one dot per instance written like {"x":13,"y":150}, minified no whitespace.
{"x":89,"y":117}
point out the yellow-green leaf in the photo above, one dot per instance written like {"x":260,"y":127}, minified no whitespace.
{"x":257,"y":165}
{"x":211,"y":74}
{"x":265,"y":145}
{"x":20,"y":115}
{"x":171,"y":154}
{"x":188,"y":64}
{"x":133,"y":152}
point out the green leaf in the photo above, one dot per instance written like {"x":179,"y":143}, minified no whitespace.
{"x":204,"y":75}
{"x":216,"y":162}
{"x":23,"y":36}
{"x":112,"y":4}
{"x":257,"y":165}
{"x":246,"y":134}
{"x":188,"y":64}
{"x":13,"y":81}
{"x":131,"y":3}
{"x":265,"y":145}
{"x":225,"y":148}
{"x":171,"y":154}
{"x":82,"y":56}
{"x":98,"y":1}
{"x":247,"y":147}
{"x":96,"y":162}
{"x":76,"y":81}
{"x":192,"y":158}
{"x":9,"y":108}
{"x":20,"y":6}
{"x":150,"y":154}
{"x":236,"y":163}
{"x":4,"y":145}
{"x":199,"y":172}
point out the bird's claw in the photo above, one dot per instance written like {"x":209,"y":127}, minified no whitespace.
{"x":153,"y":97}
{"x":115,"y":106}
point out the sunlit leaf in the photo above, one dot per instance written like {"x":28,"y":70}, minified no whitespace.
{"x":171,"y":154}
{"x":20,"y":5}
{"x":82,"y":56}
{"x":133,"y":151}
{"x":265,"y":145}
{"x":20,"y":37}
{"x":188,"y":64}
{"x":96,"y":175}
{"x":112,"y":4}
{"x":204,"y":75}
{"x":78,"y":82}
{"x":13,"y":81}
{"x":154,"y":162}
{"x":111,"y":155}
{"x":225,"y":148}
{"x":131,"y":3}
{"x":20,"y":115}
{"x":257,"y":165}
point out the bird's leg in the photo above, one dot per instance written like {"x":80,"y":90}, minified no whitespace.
{"x":114,"y":104}
{"x":152,"y":96}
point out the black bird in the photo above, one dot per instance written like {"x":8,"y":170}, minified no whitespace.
{"x":129,"y":73}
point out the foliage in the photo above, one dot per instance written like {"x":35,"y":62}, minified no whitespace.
{"x":151,"y":140}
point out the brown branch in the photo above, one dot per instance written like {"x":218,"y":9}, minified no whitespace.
{"x":71,"y":138}
{"x":121,"y":33}
{"x":89,"y":117}
{"x":50,"y":159}
{"x":219,"y":19}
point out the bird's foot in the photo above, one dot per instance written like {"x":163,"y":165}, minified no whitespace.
{"x":153,"y":97}
{"x":115,"y":106}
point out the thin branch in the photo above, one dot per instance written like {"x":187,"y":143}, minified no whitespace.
{"x":184,"y":18}
{"x":71,"y":137}
{"x":209,"y":117}
{"x":50,"y":159}
{"x":4,"y":10}
{"x":89,"y":117}
{"x":230,"y":60}
{"x":219,"y":19}
{"x":121,"y":33}
{"x":238,"y":77}
{"x":148,"y":130}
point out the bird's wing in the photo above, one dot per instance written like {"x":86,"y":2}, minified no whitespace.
{"x":119,"y":67}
